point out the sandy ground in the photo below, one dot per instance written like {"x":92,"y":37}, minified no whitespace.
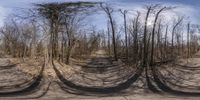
{"x":50,"y":90}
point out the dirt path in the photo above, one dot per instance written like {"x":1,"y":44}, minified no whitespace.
{"x":99,"y":71}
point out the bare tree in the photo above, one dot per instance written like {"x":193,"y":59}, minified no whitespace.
{"x":188,"y":40}
{"x":125,"y":31}
{"x":56,"y":13}
{"x":153,"y":32}
{"x":173,"y":32}
{"x":145,"y":53}
{"x":109,"y":11}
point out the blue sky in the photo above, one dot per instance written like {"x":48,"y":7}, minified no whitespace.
{"x":185,"y":7}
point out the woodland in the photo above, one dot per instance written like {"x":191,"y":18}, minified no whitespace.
{"x":54,"y":45}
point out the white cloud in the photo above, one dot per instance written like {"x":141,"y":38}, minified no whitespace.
{"x":191,"y":13}
{"x":3,"y":14}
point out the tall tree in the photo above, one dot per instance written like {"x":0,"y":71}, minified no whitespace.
{"x":173,"y":33}
{"x":56,"y":13}
{"x":145,"y":53}
{"x":109,"y":11}
{"x":153,"y":33}
{"x":125,"y":31}
{"x":188,"y":40}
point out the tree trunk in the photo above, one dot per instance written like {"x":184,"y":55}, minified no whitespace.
{"x":145,"y":53}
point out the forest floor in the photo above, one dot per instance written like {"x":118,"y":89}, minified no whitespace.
{"x":13,"y":71}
